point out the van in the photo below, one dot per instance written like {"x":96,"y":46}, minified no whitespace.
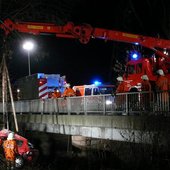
{"x":90,"y":90}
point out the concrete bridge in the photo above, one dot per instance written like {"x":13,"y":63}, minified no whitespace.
{"x":94,"y":117}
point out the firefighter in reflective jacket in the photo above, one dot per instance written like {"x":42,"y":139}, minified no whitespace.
{"x":77,"y":92}
{"x":10,"y":150}
{"x":68,"y":92}
{"x":162,"y":89}
{"x":121,"y":85}
{"x":120,"y":98}
{"x":56,"y":93}
{"x":146,"y":89}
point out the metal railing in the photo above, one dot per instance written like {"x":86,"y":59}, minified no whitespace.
{"x":136,"y":103}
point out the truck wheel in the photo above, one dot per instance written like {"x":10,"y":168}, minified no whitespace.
{"x":19,"y":162}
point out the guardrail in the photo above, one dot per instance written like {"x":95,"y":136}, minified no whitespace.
{"x":121,"y":104}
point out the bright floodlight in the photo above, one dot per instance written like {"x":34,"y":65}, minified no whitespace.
{"x":28,"y":45}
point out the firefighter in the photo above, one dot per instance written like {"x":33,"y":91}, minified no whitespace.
{"x":162,"y":89}
{"x":120,"y":98}
{"x":56,"y":93}
{"x":68,"y":92}
{"x":10,"y":150}
{"x":78,"y":92}
{"x":121,"y":85}
{"x":146,"y":88}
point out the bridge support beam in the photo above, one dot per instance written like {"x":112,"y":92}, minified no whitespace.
{"x":139,"y":129}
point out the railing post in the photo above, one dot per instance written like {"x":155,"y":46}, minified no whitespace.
{"x":42,"y":111}
{"x":104,"y":105}
{"x":127,"y":104}
{"x":85,"y":108}
{"x":68,"y":105}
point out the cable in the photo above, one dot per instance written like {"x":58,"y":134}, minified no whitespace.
{"x":16,"y":12}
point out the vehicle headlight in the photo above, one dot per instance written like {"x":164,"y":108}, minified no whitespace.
{"x":108,"y":102}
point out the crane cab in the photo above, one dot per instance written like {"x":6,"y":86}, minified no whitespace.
{"x":135,"y":69}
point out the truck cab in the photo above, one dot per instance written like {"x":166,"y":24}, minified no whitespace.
{"x":135,"y":69}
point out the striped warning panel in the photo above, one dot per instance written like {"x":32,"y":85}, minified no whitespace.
{"x":43,"y":90}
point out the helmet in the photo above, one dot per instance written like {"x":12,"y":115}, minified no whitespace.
{"x":144,"y":77}
{"x":67,"y":85}
{"x":160,"y":72}
{"x":10,"y":136}
{"x":120,"y":78}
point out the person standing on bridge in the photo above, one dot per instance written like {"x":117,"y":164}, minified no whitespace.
{"x":56,"y":94}
{"x":162,"y":90}
{"x":146,"y":95}
{"x":121,"y":85}
{"x":10,"y":150}
{"x":120,"y":98}
{"x":68,"y":92}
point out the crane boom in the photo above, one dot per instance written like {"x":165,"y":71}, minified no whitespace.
{"x":86,"y":32}
{"x":83,"y":32}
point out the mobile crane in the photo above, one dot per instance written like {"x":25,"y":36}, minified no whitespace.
{"x":135,"y":68}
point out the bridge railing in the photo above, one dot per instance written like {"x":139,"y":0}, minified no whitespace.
{"x":121,"y":104}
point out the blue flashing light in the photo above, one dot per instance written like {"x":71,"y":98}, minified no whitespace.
{"x":136,"y":43}
{"x":135,"y":55}
{"x":40,"y":75}
{"x":97,"y":83}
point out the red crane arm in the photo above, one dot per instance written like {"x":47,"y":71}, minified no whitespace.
{"x":145,"y":41}
{"x":83,"y":32}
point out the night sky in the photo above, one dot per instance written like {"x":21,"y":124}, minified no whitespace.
{"x":81,"y":63}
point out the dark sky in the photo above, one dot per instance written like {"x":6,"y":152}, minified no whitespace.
{"x":82,"y":63}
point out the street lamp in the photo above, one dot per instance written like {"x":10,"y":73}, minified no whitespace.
{"x":28,"y":46}
{"x":18,"y":94}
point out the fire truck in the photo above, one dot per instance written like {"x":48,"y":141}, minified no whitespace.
{"x":134,"y":68}
{"x":39,"y":86}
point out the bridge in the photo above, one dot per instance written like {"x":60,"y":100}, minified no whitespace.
{"x":122,"y":117}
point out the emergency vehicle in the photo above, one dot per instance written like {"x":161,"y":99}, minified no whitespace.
{"x":135,"y":68}
{"x":39,"y":86}
{"x":90,"y":90}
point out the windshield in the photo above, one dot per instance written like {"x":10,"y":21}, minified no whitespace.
{"x":106,"y":90}
{"x":99,"y":90}
{"x":131,"y":69}
{"x":134,"y":69}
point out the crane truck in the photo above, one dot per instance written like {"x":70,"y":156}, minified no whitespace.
{"x":134,"y":68}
